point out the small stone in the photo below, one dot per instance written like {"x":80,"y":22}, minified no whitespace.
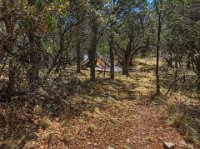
{"x":89,"y":143}
{"x":110,"y":147}
{"x":169,"y":145}
{"x":32,"y":135}
{"x":128,"y":140}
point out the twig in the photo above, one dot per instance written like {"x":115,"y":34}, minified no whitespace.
{"x":3,"y":66}
{"x":172,"y":84}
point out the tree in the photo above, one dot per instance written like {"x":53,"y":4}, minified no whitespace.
{"x":160,"y":17}
{"x":9,"y":20}
{"x":132,"y":30}
{"x":94,"y":13}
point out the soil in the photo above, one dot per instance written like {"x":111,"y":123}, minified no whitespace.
{"x":127,"y":124}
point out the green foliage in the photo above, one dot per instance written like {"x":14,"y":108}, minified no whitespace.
{"x":51,"y":20}
{"x":40,"y":5}
{"x":104,"y":48}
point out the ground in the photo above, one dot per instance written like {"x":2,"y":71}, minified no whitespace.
{"x":130,"y":126}
{"x":120,"y":114}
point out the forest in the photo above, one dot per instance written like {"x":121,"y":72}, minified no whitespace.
{"x":99,"y":74}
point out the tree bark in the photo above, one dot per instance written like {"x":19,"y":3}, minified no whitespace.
{"x":8,"y":46}
{"x":198,"y":74}
{"x":158,"y":56}
{"x":126,"y":63}
{"x":92,"y":61}
{"x":125,"y":68}
{"x":12,"y":73}
{"x":92,"y":51}
{"x":112,"y":67}
{"x":34,"y":70}
{"x":78,"y":53}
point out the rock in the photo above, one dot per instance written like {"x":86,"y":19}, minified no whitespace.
{"x":169,"y":145}
{"x":32,"y":135}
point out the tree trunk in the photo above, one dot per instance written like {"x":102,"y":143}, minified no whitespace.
{"x":112,"y":67}
{"x":176,"y":68}
{"x":92,"y":51}
{"x":11,"y":82}
{"x":57,"y":61}
{"x":158,"y":56}
{"x":125,"y":68}
{"x":34,"y":70}
{"x":92,"y":61}
{"x":198,"y":74}
{"x":8,"y":46}
{"x":126,"y":63}
{"x":78,"y":53}
{"x":188,"y":61}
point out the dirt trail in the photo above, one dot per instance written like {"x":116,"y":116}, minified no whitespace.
{"x":126,"y":124}
{"x":132,"y":126}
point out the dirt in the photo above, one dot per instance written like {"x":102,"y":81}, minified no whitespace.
{"x":132,"y":126}
{"x":127,"y":124}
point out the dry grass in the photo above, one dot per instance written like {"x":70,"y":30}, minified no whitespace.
{"x":92,"y":128}
{"x":45,"y":122}
{"x":12,"y":144}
